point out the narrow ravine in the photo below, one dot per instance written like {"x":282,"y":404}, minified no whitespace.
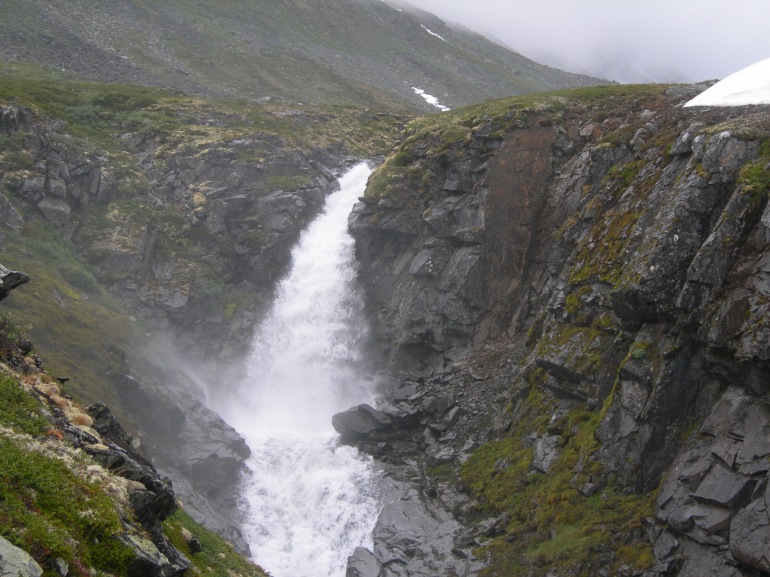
{"x":309,"y":501}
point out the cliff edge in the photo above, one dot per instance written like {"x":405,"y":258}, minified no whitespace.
{"x":573,"y":289}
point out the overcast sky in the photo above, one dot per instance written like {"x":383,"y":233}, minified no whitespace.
{"x":623,"y":40}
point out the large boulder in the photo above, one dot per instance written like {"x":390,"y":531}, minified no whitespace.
{"x":360,"y":422}
{"x":15,"y":562}
{"x":9,"y":280}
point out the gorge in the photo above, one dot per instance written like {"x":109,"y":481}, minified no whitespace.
{"x":568,"y":297}
{"x":309,"y":501}
{"x":528,"y":337}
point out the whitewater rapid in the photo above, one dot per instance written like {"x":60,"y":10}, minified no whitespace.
{"x":309,"y":501}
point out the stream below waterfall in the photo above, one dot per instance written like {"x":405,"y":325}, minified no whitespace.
{"x":308,"y":500}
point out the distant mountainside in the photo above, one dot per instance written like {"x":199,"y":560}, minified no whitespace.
{"x":364,"y":52}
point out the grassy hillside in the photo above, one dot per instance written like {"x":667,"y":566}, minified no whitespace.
{"x":58,"y":504}
{"x":364,"y":52}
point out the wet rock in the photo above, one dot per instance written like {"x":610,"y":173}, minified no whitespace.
{"x":415,"y":537}
{"x":750,"y":536}
{"x":363,"y":563}
{"x":359,"y":422}
{"x":723,"y":487}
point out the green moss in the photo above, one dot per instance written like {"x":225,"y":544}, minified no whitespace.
{"x":12,"y":332}
{"x":382,"y":180}
{"x":289,"y":183}
{"x":601,"y":254}
{"x":217,"y":558}
{"x":18,"y":409}
{"x":755,"y":176}
{"x":230,"y":310}
{"x":553,"y":526}
{"x":402,"y":158}
{"x":579,"y":347}
{"x":624,"y":174}
{"x":52,"y":513}
{"x":573,"y":302}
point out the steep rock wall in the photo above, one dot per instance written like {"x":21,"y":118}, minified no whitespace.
{"x":576,"y":291}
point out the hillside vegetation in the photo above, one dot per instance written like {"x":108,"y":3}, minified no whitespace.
{"x":70,"y":496}
{"x":362,"y":52}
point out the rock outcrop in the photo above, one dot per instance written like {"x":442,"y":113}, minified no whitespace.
{"x":576,"y":293}
{"x":242,"y":213}
{"x":9,"y":280}
{"x":17,"y":563}
{"x":94,"y":432}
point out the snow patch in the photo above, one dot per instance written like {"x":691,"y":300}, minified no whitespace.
{"x":432,"y":33}
{"x":745,"y":87}
{"x":432,"y":100}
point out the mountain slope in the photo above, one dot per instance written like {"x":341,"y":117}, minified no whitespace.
{"x":357,"y":51}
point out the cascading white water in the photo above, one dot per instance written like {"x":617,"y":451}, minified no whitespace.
{"x":310,"y":501}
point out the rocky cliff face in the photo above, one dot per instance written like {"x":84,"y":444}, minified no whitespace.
{"x":575,"y":291}
{"x":188,"y":229}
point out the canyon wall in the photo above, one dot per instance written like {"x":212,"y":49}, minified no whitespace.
{"x":574,"y":292}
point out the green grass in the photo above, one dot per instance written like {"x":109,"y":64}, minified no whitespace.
{"x":18,"y":410}
{"x":553,"y":526}
{"x":98,"y":112}
{"x":50,"y":512}
{"x":78,"y":329}
{"x":46,"y":507}
{"x":56,"y":503}
{"x":217,"y":558}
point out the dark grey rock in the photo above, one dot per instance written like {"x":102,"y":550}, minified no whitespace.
{"x":665,"y":545}
{"x":750,"y":536}
{"x":724,"y":154}
{"x":33,"y":189}
{"x":723,"y":487}
{"x":710,"y":518}
{"x":359,"y":422}
{"x":56,"y":210}
{"x":363,"y":563}
{"x":702,"y":561}
{"x":414,"y":537}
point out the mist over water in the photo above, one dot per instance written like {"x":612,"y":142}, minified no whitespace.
{"x":309,"y":502}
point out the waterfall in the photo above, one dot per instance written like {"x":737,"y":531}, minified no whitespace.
{"x":309,"y":501}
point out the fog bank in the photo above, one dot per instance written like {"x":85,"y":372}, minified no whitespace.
{"x":623,"y":40}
